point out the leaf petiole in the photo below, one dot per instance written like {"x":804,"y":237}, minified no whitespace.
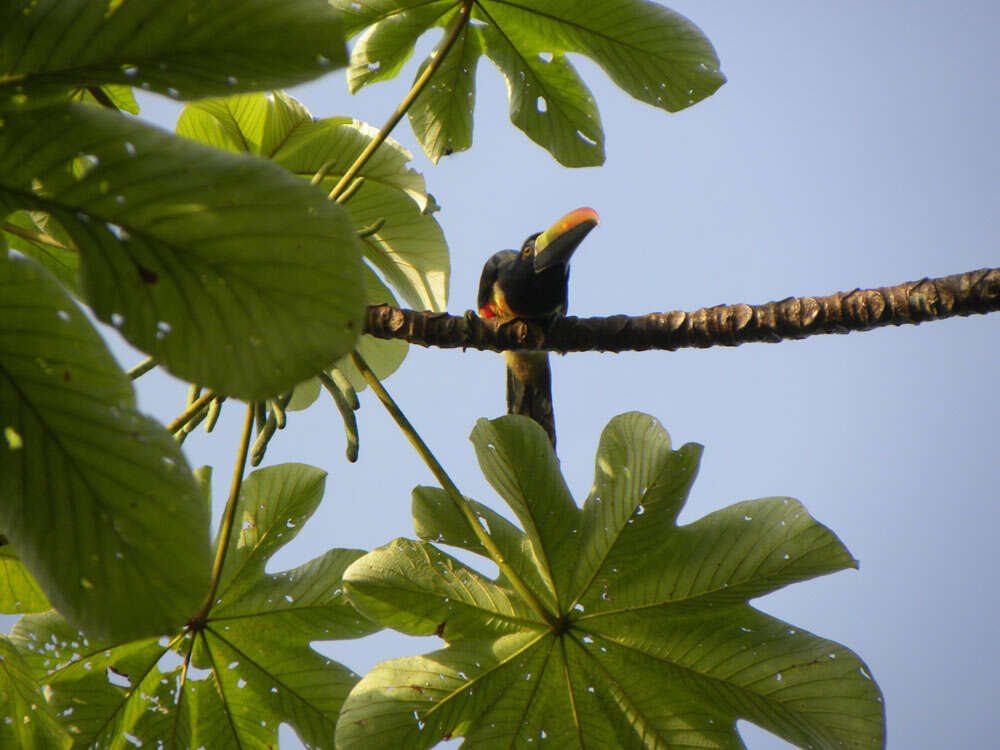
{"x":142,"y":368}
{"x":189,"y":413}
{"x":228,"y":518}
{"x":461,"y":19}
{"x":40,"y":237}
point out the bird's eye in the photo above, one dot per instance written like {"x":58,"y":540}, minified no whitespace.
{"x":526,"y":250}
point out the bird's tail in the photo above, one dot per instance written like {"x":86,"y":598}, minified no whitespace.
{"x":529,"y":388}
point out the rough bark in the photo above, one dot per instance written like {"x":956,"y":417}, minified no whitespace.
{"x":910,"y":303}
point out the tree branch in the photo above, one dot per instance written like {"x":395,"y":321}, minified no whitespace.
{"x":975,"y":292}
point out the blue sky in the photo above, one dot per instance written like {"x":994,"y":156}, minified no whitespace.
{"x":853,"y":146}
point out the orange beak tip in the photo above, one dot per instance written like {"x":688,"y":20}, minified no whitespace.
{"x":579,"y":216}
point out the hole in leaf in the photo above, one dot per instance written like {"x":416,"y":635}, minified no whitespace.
{"x":118,"y":678}
{"x":117,"y":231}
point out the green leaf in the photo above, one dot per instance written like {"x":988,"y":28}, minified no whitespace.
{"x":29,"y":721}
{"x":264,"y":623}
{"x":231,"y":272}
{"x":47,"y":242}
{"x":384,"y":47}
{"x":249,"y":669}
{"x":304,"y":395}
{"x":408,"y":247}
{"x":652,"y":53}
{"x":654,"y":644}
{"x":19,"y":591}
{"x":548,"y":100}
{"x":96,"y":498}
{"x":121,"y":96}
{"x":437,"y":519}
{"x":417,"y":589}
{"x":96,"y":687}
{"x":518,"y":460}
{"x":185,"y":49}
{"x":441,"y":116}
{"x":383,"y":356}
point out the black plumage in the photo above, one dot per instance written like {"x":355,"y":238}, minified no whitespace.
{"x":533,"y":284}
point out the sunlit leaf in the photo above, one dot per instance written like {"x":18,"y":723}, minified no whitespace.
{"x":406,"y":247}
{"x":230,"y":271}
{"x":383,"y":356}
{"x":233,"y":681}
{"x":648,"y":640}
{"x":121,"y":96}
{"x":19,"y":591}
{"x":304,"y":395}
{"x":28,"y":722}
{"x":442,"y":525}
{"x":548,"y":100}
{"x":651,"y":52}
{"x":384,"y":47}
{"x":44,"y":240}
{"x":185,"y":49}
{"x":96,"y":498}
{"x":441,"y":117}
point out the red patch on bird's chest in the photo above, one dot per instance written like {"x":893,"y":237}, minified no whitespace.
{"x":497,"y":307}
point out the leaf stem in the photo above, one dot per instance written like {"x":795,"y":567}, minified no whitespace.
{"x":142,"y":368}
{"x":228,"y":518}
{"x":32,"y":236}
{"x":188,"y":414}
{"x":442,"y":476}
{"x":102,"y":98}
{"x":461,"y":19}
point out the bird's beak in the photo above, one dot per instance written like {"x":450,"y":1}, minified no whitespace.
{"x":556,"y":244}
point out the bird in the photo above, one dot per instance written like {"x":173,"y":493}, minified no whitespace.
{"x":533,"y":284}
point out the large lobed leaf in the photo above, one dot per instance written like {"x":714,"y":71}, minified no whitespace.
{"x":408,"y":246}
{"x":651,"y":52}
{"x":96,"y":498}
{"x":186,"y":49}
{"x":232,"y":682}
{"x":654,"y":643}
{"x":232,"y":272}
